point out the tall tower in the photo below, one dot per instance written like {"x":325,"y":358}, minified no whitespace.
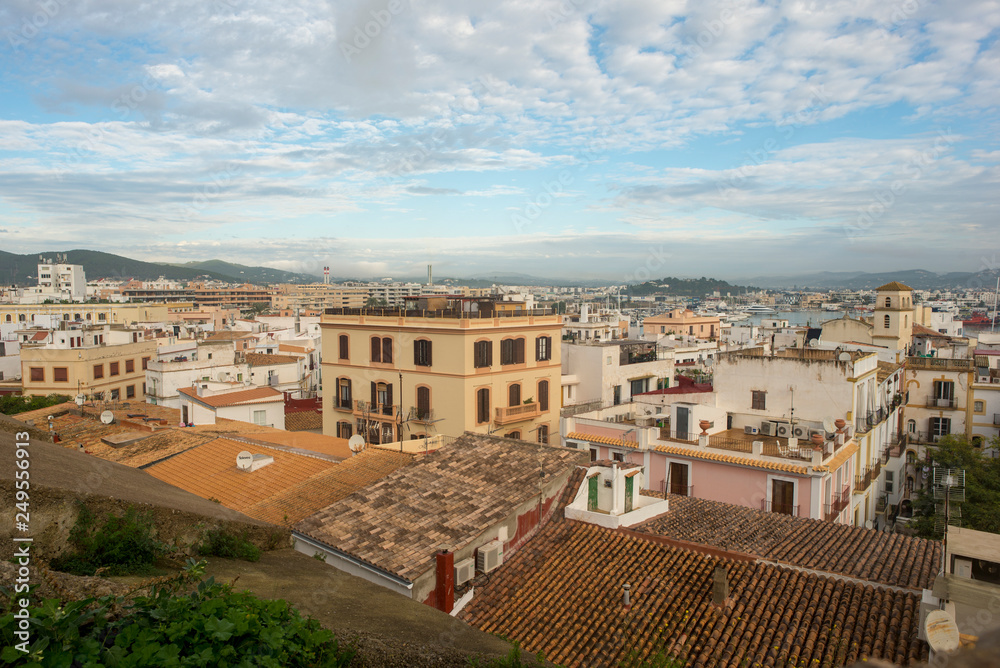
{"x":430,"y":277}
{"x":893,"y":326}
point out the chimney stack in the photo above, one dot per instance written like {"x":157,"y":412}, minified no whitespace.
{"x":626,"y":599}
{"x":430,"y":277}
{"x":445,"y":585}
{"x":720,"y":585}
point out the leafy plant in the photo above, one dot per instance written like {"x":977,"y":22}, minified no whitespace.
{"x":12,"y":404}
{"x":219,"y":543}
{"x":210,"y":626}
{"x":122,"y":546}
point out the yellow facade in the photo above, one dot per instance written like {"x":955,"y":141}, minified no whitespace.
{"x":29,"y":315}
{"x":104,"y":371}
{"x":438,"y":380}
{"x":317,"y":296}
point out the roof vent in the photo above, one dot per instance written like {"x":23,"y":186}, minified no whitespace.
{"x":626,"y":600}
{"x":720,"y":585}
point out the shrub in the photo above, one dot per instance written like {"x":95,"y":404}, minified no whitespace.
{"x":211,"y":626}
{"x":218,"y":543}
{"x":122,"y":546}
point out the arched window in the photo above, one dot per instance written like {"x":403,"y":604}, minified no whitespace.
{"x":376,"y":349}
{"x":483,"y":405}
{"x":911,"y":426}
{"x":887,"y":321}
{"x":387,"y":350}
{"x":7,"y":318}
{"x":888,"y":302}
{"x":514,"y":395}
{"x":423,"y":402}
{"x":345,"y":348}
{"x":543,"y":396}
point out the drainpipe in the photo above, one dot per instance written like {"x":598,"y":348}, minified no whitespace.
{"x":445,"y":588}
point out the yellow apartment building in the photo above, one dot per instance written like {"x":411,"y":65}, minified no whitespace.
{"x":683,"y":322}
{"x":441,"y":365}
{"x":317,"y":296}
{"x":101,"y":363}
{"x":49,"y":315}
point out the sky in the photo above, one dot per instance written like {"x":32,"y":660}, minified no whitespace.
{"x":576,"y":139}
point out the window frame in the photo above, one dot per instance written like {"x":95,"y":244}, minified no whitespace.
{"x":130,"y":366}
{"x":484,"y":405}
{"x":343,"y":347}
{"x":56,"y":373}
{"x":482,"y":354}
{"x":422,"y":352}
{"x":758,"y":400}
{"x":98,"y":371}
{"x":36,"y":374}
{"x":543,"y":395}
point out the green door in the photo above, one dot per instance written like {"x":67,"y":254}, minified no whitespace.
{"x":628,"y":493}
{"x":592,"y":492}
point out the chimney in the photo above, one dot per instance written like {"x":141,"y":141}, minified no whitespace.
{"x":445,"y":587}
{"x":430,"y":276}
{"x":720,"y":585}
{"x":626,"y":599}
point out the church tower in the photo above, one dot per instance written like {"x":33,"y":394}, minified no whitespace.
{"x":893,"y":325}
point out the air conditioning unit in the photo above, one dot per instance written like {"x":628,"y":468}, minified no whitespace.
{"x":768,"y":428}
{"x":783,"y":430}
{"x":465,"y":570}
{"x":750,"y":430}
{"x":489,"y":556}
{"x":800,"y":432}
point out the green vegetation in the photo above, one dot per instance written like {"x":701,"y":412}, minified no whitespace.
{"x":685,"y":287}
{"x":210,"y":626}
{"x":981,"y":510}
{"x":121,"y":546}
{"x":12,"y":404}
{"x":219,"y":543}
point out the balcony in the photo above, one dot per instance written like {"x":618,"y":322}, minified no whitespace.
{"x":421,"y":415}
{"x":863,"y":481}
{"x":894,"y":448}
{"x":779,"y":508}
{"x":839,"y":502}
{"x":940,"y":402}
{"x":938,"y":363}
{"x":511,"y":414}
{"x":370,"y":410}
{"x":872,"y":419}
{"x":924,"y":436}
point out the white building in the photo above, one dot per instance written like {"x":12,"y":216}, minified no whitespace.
{"x":611,"y":372}
{"x":179,"y":365}
{"x":594,"y":324}
{"x":202,"y":404}
{"x":57,"y":282}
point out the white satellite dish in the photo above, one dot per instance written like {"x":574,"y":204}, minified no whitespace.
{"x":844,"y":357}
{"x":356,"y":443}
{"x":80,"y":399}
{"x":941,"y":631}
{"x":244,"y":461}
{"x":107,"y":417}
{"x":829,"y":425}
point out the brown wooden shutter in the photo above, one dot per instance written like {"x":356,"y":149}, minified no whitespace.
{"x":376,"y":349}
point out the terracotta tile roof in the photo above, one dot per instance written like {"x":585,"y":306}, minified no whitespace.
{"x":209,"y":471}
{"x":302,"y":499}
{"x":321,"y":443}
{"x":709,"y":455}
{"x":39,"y":336}
{"x":876,"y":556}
{"x":303,"y":420}
{"x":256,"y":395}
{"x":263,"y":359}
{"x":562,"y":595}
{"x":287,"y":347}
{"x":894,"y":286}
{"x":229,"y":336}
{"x":447,"y":497}
{"x":886,"y":369}
{"x":845,"y":452}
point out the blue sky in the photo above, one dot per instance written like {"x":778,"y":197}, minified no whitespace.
{"x":575,"y":139}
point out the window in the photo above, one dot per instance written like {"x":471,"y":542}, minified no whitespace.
{"x":130,"y":392}
{"x":38,"y":374}
{"x":344,"y":349}
{"x":423,"y":402}
{"x":543,"y":396}
{"x":98,"y":371}
{"x":543,"y":433}
{"x":638,"y":386}
{"x":512,"y":351}
{"x":382,"y":398}
{"x":758,"y":400}
{"x":978,"y":406}
{"x":422,"y":353}
{"x":343,"y":393}
{"x":145,"y":363}
{"x":376,"y":349}
{"x":944,"y":392}
{"x":259,"y":417}
{"x":940,"y":427}
{"x":543,"y":348}
{"x":514,"y":434}
{"x":115,"y":394}
{"x":483,"y":406}
{"x":130,"y":365}
{"x":888,"y":302}
{"x":482,"y":354}
{"x":514,"y":395}
{"x":618,"y":456}
{"x":617,"y":392}
{"x":344,"y":429}
{"x":886,"y":321}
{"x":387,"y":350}
{"x":593,"y":454}
{"x":890,"y":478}
{"x":60,"y":374}
{"x":114,"y":369}
{"x":678,"y":476}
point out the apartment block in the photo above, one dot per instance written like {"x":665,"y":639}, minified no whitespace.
{"x":441,"y":365}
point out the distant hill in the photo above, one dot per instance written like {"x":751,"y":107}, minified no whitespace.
{"x":21,"y":269}
{"x":686,"y":287}
{"x":918,"y":279}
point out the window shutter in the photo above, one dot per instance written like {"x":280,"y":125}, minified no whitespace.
{"x":430,"y":348}
{"x":538,"y":348}
{"x":416,"y":353}
{"x":349,"y":393}
{"x":489,"y":353}
{"x":519,"y":351}
{"x":374,"y":395}
{"x":387,"y":350}
{"x":376,"y":349}
{"x":388,"y":396}
{"x":543,"y":395}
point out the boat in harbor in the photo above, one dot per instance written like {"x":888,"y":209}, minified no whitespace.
{"x":758,"y":308}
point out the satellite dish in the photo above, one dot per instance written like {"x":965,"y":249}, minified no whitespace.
{"x":829,"y":425}
{"x":941,"y":631}
{"x":356,"y":443}
{"x":79,"y":399}
{"x":107,"y":417}
{"x":244,"y":460}
{"x":869,"y":524}
{"x":844,"y":357}
{"x":709,"y":361}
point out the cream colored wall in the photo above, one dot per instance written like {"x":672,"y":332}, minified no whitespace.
{"x":80,"y":362}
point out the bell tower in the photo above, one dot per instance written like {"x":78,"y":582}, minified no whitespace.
{"x":893,"y":326}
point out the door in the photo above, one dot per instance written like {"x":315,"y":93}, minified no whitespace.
{"x":678,"y":479}
{"x":184,"y":414}
{"x":628,"y":493}
{"x":682,"y":424}
{"x":592,"y":484}
{"x":783,"y":497}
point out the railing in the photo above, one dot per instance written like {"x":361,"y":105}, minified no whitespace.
{"x":872,"y":419}
{"x":677,"y":490}
{"x":939,"y":402}
{"x":511,"y":414}
{"x":938,"y":363}
{"x":881,"y":503}
{"x":863,"y":481}
{"x":894,"y":448}
{"x":779,"y":508}
{"x":367,"y":408}
{"x":924,"y":437}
